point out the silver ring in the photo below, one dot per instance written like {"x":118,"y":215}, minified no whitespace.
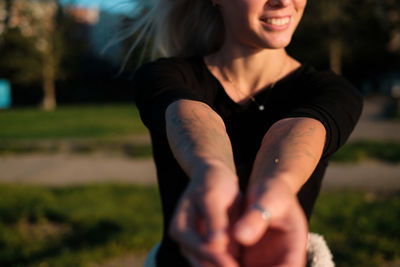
{"x":265,"y":214}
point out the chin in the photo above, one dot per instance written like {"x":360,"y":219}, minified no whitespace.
{"x":273,"y":40}
{"x":277,"y":43}
{"x":277,"y":40}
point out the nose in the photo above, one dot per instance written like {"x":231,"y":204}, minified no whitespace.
{"x":279,"y":3}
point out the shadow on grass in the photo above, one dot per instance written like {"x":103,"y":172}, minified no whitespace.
{"x":132,"y":150}
{"x":80,"y":237}
{"x":78,"y":226}
{"x":358,"y":151}
{"x":361,"y":228}
{"x":75,"y":226}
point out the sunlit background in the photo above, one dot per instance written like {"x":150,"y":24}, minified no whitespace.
{"x":77,"y":182}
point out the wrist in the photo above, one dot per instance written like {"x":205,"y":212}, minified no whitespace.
{"x":212,"y":171}
{"x":275,"y":191}
{"x":284,"y":180}
{"x":281,"y":179}
{"x":213,"y":184}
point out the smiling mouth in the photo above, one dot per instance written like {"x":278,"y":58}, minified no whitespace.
{"x":276,"y":21}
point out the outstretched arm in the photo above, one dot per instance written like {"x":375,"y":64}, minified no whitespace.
{"x":289,"y":153}
{"x":198,"y":139}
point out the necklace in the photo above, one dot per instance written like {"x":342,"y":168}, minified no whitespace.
{"x":261,"y":106}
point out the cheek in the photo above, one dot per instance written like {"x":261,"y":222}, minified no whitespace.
{"x":300,"y":5}
{"x":241,"y":11}
{"x":237,"y":16}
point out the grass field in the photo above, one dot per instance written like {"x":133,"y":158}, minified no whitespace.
{"x":362,"y":229}
{"x":387,"y":151}
{"x":70,"y":122}
{"x":85,"y":129}
{"x":77,"y":129}
{"x":76,"y":226}
{"x":79,"y":226}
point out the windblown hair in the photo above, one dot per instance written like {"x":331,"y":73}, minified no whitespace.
{"x":176,"y":28}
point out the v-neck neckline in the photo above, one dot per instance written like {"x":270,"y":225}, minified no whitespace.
{"x":258,"y":95}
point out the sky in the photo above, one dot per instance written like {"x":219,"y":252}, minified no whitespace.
{"x":117,"y":6}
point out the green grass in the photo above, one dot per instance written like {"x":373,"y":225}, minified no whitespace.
{"x":129,"y":148}
{"x":387,"y":151}
{"x":70,"y":122}
{"x":77,"y":129}
{"x":76,"y":226}
{"x":362,"y":229}
{"x":79,"y":226}
{"x":85,"y":129}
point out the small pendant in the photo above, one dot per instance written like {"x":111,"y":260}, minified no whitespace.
{"x":261,"y":107}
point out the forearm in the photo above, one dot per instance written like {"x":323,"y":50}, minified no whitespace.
{"x":290,"y":151}
{"x":198,"y":138}
{"x":200,"y":144}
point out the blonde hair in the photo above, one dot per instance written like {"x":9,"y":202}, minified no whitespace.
{"x":175,"y":28}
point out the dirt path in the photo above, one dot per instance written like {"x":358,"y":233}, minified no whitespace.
{"x":72,"y":169}
{"x":373,"y":126}
{"x":371,"y":176}
{"x":61,"y":170}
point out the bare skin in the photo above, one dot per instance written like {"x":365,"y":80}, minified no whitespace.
{"x":201,"y":223}
{"x":288,"y":155}
{"x":206,"y":223}
{"x":252,"y":56}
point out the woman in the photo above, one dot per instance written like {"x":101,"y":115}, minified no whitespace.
{"x":241,"y":131}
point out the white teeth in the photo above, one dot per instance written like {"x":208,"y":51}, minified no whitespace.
{"x":276,"y":21}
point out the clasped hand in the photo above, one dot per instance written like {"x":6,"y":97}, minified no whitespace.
{"x":216,"y":226}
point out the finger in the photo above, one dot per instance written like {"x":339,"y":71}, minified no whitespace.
{"x":252,"y":226}
{"x":234,"y":213}
{"x":183,"y":230}
{"x":236,"y":209}
{"x":276,"y":198}
{"x":224,"y":260}
{"x":204,"y":255}
{"x":298,"y":241}
{"x":183,"y":226}
{"x":216,"y":211}
{"x":216,"y":218}
{"x":217,"y":223}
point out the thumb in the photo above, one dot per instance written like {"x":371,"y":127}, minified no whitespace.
{"x":216,"y":224}
{"x":252,"y":226}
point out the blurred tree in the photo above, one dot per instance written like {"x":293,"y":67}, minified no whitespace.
{"x":330,"y":21}
{"x":389,"y":16}
{"x":32,"y":46}
{"x":5,"y":8}
{"x":348,"y":36}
